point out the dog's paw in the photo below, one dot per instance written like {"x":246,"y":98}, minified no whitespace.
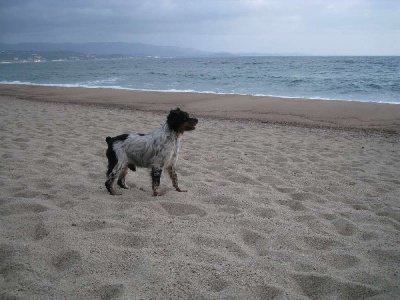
{"x":181,"y":191}
{"x":115,"y":193}
{"x":123,"y":185}
{"x":111,"y":189}
{"x":156,"y":193}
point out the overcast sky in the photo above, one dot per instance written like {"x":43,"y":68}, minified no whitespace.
{"x":321,"y":27}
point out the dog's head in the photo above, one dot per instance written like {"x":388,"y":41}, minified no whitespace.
{"x":180,"y":121}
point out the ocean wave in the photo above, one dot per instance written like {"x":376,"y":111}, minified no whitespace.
{"x":374,"y":86}
{"x":80,"y":85}
{"x":103,"y":81}
{"x":68,"y":85}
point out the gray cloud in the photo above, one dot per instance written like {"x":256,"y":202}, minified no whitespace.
{"x":284,"y":26}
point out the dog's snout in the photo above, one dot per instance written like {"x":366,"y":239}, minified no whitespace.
{"x":195,"y":120}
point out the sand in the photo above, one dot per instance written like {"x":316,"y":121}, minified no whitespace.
{"x":298,"y":112}
{"x":272,"y":211}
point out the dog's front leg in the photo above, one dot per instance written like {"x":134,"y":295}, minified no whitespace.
{"x":174,"y":178}
{"x":155,"y":179}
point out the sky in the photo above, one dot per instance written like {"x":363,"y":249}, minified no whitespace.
{"x":314,"y":27}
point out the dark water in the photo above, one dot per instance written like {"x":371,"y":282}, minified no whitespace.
{"x":372,"y":79}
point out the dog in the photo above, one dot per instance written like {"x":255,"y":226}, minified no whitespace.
{"x":156,"y":150}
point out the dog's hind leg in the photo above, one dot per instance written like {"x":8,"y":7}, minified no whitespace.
{"x":115,"y":168}
{"x":112,"y":177}
{"x":117,"y":165}
{"x":122,"y":177}
{"x":112,"y":166}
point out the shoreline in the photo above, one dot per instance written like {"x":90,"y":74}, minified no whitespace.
{"x":334,"y":114}
{"x":18,"y":83}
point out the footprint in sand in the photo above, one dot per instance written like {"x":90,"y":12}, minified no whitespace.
{"x":40,"y":231}
{"x":67,"y":260}
{"x":179,"y":209}
{"x":251,"y":238}
{"x":50,"y":147}
{"x":329,"y":217}
{"x":129,"y":240}
{"x":341,"y":261}
{"x":327,"y":287}
{"x":20,"y":140}
{"x":270,"y":180}
{"x":26,"y":193}
{"x":369,"y":236}
{"x":222,"y":200}
{"x":238,"y":178}
{"x":111,"y":291}
{"x":360,"y":207}
{"x":320,"y":243}
{"x":293,"y":205}
{"x":307,"y":219}
{"x":216,"y":284}
{"x":95,"y":176}
{"x":6,"y":155}
{"x":75,"y":189}
{"x":51,"y":154}
{"x":94,"y":225}
{"x":22,"y":208}
{"x":6,"y":253}
{"x":66,"y":204}
{"x":220,"y":244}
{"x":230,"y":210}
{"x":265,"y":213}
{"x":345,"y":227}
{"x":43,"y":184}
{"x":285,"y":190}
{"x":385,"y":256}
{"x":389,"y":218}
{"x":268,"y":292}
{"x":307,"y":197}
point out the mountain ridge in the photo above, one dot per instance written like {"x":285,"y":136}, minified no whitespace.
{"x":111,"y":48}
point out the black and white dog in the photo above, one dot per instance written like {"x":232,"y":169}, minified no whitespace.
{"x":156,"y":150}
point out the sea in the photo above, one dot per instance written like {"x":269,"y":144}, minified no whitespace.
{"x":367,"y":79}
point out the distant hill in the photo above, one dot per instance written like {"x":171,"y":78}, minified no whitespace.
{"x":104,"y":49}
{"x":29,"y":55}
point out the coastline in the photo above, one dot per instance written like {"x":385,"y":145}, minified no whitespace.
{"x":335,"y":114}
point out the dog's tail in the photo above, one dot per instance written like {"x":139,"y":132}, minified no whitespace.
{"x":111,"y":156}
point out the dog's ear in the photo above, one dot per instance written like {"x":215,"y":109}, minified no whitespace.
{"x":176,"y":110}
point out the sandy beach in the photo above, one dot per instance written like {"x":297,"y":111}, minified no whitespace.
{"x":298,"y":112}
{"x":287,"y":199}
